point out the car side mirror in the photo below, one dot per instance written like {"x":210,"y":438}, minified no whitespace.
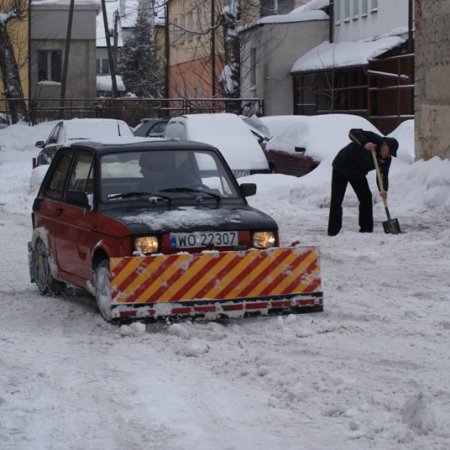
{"x":78,"y":198}
{"x":300,"y":149}
{"x":40,"y":144}
{"x":248,"y":189}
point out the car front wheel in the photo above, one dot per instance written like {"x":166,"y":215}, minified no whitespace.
{"x":46,"y":284}
{"x":103,"y":289}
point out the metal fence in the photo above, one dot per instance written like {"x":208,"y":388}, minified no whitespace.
{"x":132,"y":110}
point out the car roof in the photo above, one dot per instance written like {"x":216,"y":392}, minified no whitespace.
{"x":141,"y":145}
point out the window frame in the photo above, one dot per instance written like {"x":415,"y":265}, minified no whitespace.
{"x":49,"y":62}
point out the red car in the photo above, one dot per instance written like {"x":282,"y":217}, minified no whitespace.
{"x":162,"y":228}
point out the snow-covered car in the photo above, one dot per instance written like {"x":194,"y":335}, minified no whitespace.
{"x":67,"y":131}
{"x":300,"y":143}
{"x":162,"y":228}
{"x":228,"y":133}
{"x":258,"y":129}
{"x":151,"y":128}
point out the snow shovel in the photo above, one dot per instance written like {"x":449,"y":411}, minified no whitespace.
{"x":390,"y":225}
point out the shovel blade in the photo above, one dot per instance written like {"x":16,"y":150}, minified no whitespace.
{"x":391,"y":226}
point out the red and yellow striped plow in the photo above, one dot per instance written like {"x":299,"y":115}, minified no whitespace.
{"x":213,"y":283}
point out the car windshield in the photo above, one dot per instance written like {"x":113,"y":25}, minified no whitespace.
{"x":164,"y":175}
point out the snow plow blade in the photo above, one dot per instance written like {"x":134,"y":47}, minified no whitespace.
{"x":216,"y":284}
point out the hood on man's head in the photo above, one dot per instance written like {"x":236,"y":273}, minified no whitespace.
{"x":392,"y":144}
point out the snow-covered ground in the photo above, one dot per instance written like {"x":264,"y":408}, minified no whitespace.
{"x":370,"y":372}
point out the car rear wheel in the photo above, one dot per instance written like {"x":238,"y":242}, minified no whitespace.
{"x":45,"y":282}
{"x":103,"y":289}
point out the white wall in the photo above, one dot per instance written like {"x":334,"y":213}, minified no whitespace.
{"x":278,"y":46}
{"x":389,"y":15}
{"x":49,"y":20}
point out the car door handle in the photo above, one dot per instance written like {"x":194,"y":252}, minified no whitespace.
{"x":58,"y":211}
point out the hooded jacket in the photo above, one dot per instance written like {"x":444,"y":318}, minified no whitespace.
{"x":354,"y":161}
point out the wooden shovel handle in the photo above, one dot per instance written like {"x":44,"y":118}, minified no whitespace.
{"x":379,"y":177}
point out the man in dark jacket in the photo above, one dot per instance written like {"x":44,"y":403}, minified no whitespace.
{"x":351,"y":165}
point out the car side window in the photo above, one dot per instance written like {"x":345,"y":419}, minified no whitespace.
{"x":157,"y":130}
{"x":53,"y":138}
{"x":81,"y":175}
{"x":55,"y":187}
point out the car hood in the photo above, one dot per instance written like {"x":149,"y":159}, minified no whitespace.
{"x":193,"y":218}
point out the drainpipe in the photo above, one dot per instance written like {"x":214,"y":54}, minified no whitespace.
{"x":331,"y":22}
{"x":167,"y":51}
{"x":410,"y":25}
{"x":213,"y":49}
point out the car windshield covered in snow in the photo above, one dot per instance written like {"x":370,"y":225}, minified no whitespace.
{"x":167,"y":174}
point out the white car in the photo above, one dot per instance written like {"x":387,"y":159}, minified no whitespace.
{"x":228,"y":133}
{"x":67,"y":131}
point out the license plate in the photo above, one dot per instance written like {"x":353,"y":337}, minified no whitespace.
{"x":204,"y":239}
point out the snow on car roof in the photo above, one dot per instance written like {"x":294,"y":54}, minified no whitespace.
{"x":95,"y":129}
{"x":231,"y":136}
{"x":321,"y":136}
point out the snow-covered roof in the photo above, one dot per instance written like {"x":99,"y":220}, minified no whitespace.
{"x":308,"y":12}
{"x":346,"y":54}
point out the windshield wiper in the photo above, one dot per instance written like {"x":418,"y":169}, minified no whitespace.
{"x":188,"y":189}
{"x":138,"y":194}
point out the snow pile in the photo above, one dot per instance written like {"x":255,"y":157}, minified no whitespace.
{"x":371,"y":371}
{"x":419,"y":415}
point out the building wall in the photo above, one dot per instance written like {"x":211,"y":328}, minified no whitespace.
{"x":190,"y":48}
{"x":48,"y":32}
{"x":190,"y":52}
{"x":277,"y":47}
{"x":432,"y":94}
{"x":382,"y":17}
{"x":18,"y":34}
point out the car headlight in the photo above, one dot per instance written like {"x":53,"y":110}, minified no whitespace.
{"x":264,"y":239}
{"x":146,"y":245}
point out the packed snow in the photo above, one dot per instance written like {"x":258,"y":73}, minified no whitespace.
{"x":370,"y":372}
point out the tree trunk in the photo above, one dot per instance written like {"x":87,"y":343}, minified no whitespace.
{"x":11,"y":78}
{"x":231,"y":75}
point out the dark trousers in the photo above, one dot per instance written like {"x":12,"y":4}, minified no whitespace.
{"x":361,"y":187}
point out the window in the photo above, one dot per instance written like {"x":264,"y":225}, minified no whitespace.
{"x":182,"y":29}
{"x":337,"y":12}
{"x":253,"y":66}
{"x":364,"y":8}
{"x":374,"y":6}
{"x":190,"y":25}
{"x":285,"y":6}
{"x":157,"y":130}
{"x":176,"y":32}
{"x":53,"y":138}
{"x":81,"y":177}
{"x":49,"y":65}
{"x":105,"y":66}
{"x":346,"y":10}
{"x":56,"y":186}
{"x":273,"y":7}
{"x":355,"y":9}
